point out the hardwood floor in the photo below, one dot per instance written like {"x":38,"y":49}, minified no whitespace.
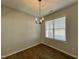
{"x":40,"y":52}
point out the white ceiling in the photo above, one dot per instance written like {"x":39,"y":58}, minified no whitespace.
{"x":31,"y":6}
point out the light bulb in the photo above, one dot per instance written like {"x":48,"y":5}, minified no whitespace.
{"x":39,"y":20}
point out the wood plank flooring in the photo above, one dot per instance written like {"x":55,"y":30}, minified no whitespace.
{"x":40,"y":52}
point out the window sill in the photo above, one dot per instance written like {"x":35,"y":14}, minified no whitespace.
{"x":56,"y":40}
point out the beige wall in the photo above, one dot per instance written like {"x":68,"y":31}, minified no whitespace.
{"x":19,"y":31}
{"x":71,"y":30}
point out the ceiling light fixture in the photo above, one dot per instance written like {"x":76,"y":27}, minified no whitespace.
{"x":39,"y":19}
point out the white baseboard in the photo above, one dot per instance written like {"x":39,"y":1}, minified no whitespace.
{"x":35,"y":45}
{"x":19,"y":50}
{"x":59,"y":50}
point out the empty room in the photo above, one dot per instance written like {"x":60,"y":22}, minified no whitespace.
{"x":39,"y":29}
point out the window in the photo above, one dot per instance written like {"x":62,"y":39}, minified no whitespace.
{"x":55,"y":29}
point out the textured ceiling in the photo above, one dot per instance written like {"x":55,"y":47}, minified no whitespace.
{"x":31,"y":6}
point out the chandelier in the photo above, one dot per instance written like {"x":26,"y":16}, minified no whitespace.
{"x":39,"y":19}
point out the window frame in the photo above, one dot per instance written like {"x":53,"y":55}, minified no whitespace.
{"x":54,"y":31}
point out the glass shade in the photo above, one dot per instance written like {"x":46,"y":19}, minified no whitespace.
{"x":39,"y":20}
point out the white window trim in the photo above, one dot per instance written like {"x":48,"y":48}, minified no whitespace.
{"x":54,"y":33}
